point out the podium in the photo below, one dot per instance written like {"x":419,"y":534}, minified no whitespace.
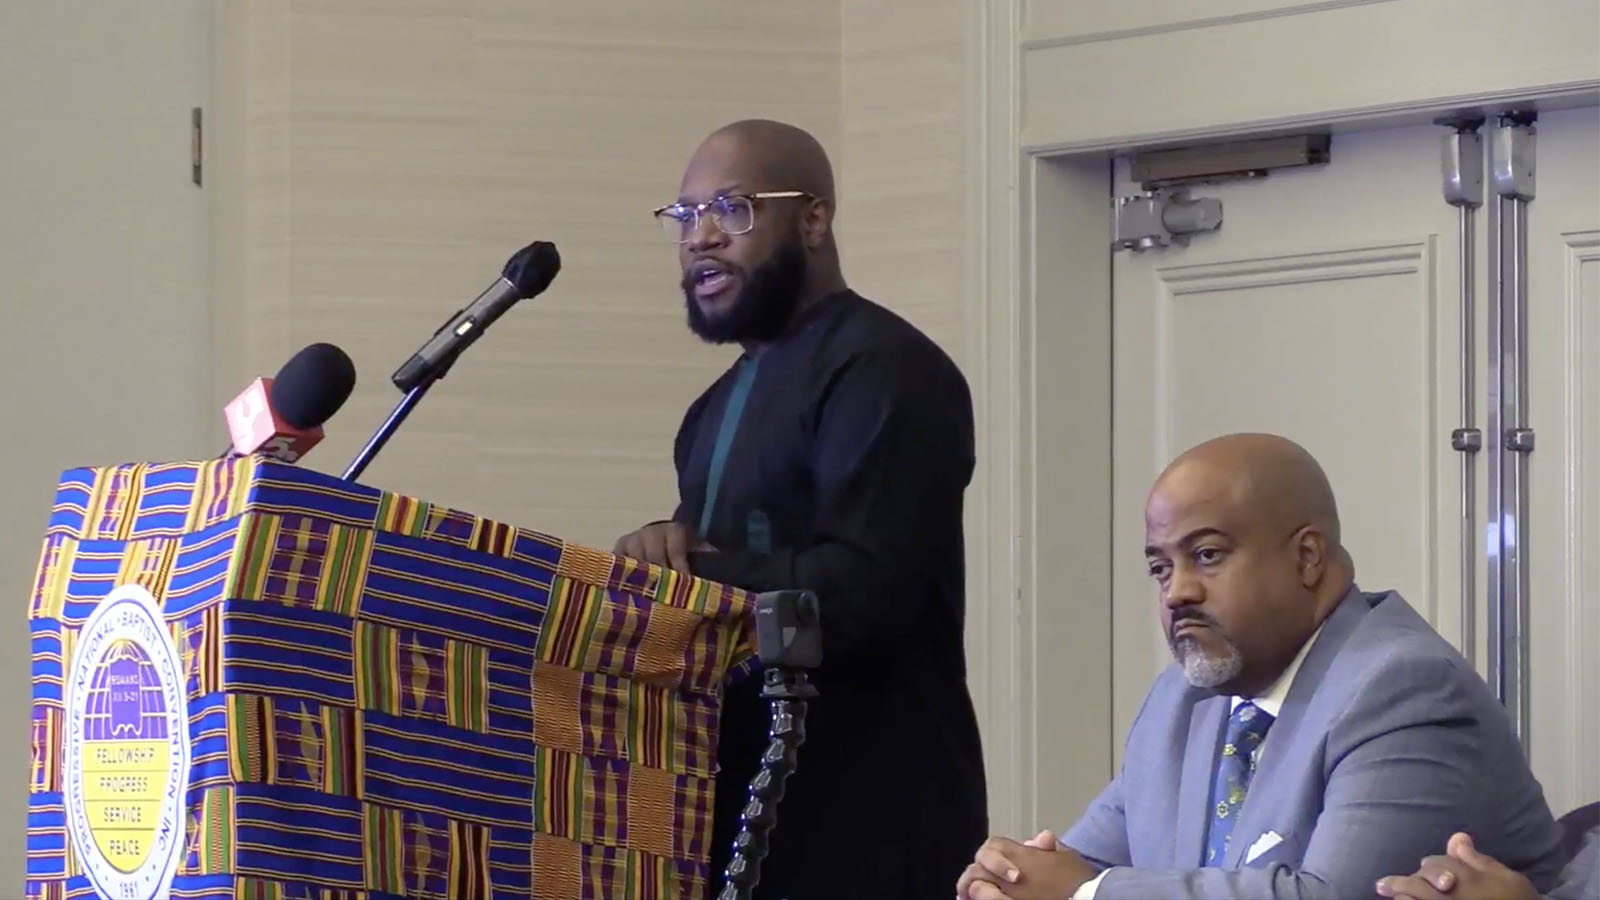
{"x":257,"y":681}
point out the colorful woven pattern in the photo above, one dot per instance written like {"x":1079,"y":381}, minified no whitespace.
{"x":391,"y":699}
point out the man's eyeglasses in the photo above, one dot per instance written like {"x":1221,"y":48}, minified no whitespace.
{"x":735,"y":214}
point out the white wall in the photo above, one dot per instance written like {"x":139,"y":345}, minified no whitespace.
{"x":104,"y":351}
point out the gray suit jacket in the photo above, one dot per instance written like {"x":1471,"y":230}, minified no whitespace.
{"x":1386,"y":744}
{"x":1581,"y":879}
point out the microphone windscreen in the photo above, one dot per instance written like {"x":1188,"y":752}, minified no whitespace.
{"x":532,"y":268}
{"x":312,"y":386}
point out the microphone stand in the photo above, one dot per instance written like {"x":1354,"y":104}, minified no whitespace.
{"x":533,"y":267}
{"x":789,"y":641}
{"x":396,"y":417}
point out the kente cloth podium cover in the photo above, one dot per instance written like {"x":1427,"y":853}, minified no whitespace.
{"x":256,"y":681}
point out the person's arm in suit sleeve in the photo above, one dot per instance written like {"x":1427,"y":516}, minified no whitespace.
{"x":1403,"y":771}
{"x":893,"y":455}
{"x":682,"y":445}
{"x":1581,"y":878}
{"x":1100,"y":836}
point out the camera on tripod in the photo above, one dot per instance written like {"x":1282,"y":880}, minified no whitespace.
{"x":788,"y":630}
{"x":789,"y":642}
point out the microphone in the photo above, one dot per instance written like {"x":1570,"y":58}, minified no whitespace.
{"x":281,"y":417}
{"x":526,"y":274}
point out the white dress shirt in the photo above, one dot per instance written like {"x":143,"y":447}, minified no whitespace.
{"x":1270,"y":703}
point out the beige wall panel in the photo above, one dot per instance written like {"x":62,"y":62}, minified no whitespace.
{"x":397,"y":154}
{"x":901,"y":160}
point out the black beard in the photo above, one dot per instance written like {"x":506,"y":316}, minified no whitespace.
{"x":766,"y":302}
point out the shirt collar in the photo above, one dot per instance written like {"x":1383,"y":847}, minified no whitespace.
{"x":1271,"y":700}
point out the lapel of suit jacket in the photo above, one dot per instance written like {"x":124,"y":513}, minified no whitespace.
{"x":1206,"y":721}
{"x":1286,"y":749}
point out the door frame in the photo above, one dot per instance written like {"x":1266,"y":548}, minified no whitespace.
{"x":1037,"y":275}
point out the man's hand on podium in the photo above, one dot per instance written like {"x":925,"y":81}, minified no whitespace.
{"x":663,"y":543}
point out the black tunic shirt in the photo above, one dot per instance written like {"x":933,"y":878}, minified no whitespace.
{"x":842,"y":454}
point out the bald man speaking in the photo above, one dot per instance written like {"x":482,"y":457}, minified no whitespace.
{"x":1309,"y":738}
{"x":833,"y":455}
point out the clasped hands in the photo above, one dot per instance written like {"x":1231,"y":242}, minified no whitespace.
{"x":1462,"y":873}
{"x":1036,"y":869}
{"x":1042,"y":869}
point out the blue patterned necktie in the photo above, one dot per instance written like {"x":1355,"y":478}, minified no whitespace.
{"x":1247,"y":728}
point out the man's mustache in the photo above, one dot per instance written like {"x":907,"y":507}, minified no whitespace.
{"x":1189,"y":617}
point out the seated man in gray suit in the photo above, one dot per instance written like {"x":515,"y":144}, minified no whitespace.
{"x":1310,"y":739}
{"x":1465,"y":873}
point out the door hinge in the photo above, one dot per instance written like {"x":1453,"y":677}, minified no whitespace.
{"x":196,"y":145}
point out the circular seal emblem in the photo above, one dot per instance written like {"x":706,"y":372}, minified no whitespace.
{"x":125,"y":772}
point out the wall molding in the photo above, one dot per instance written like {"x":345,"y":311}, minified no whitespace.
{"x":1290,"y":67}
{"x":1555,"y":95}
{"x":995,"y":604}
{"x":1582,"y":248}
{"x":1401,"y":257}
{"x":1120,"y":34}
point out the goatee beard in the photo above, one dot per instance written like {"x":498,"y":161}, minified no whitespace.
{"x":766,"y":302}
{"x":1204,"y":670}
{"x":1201,"y":668}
